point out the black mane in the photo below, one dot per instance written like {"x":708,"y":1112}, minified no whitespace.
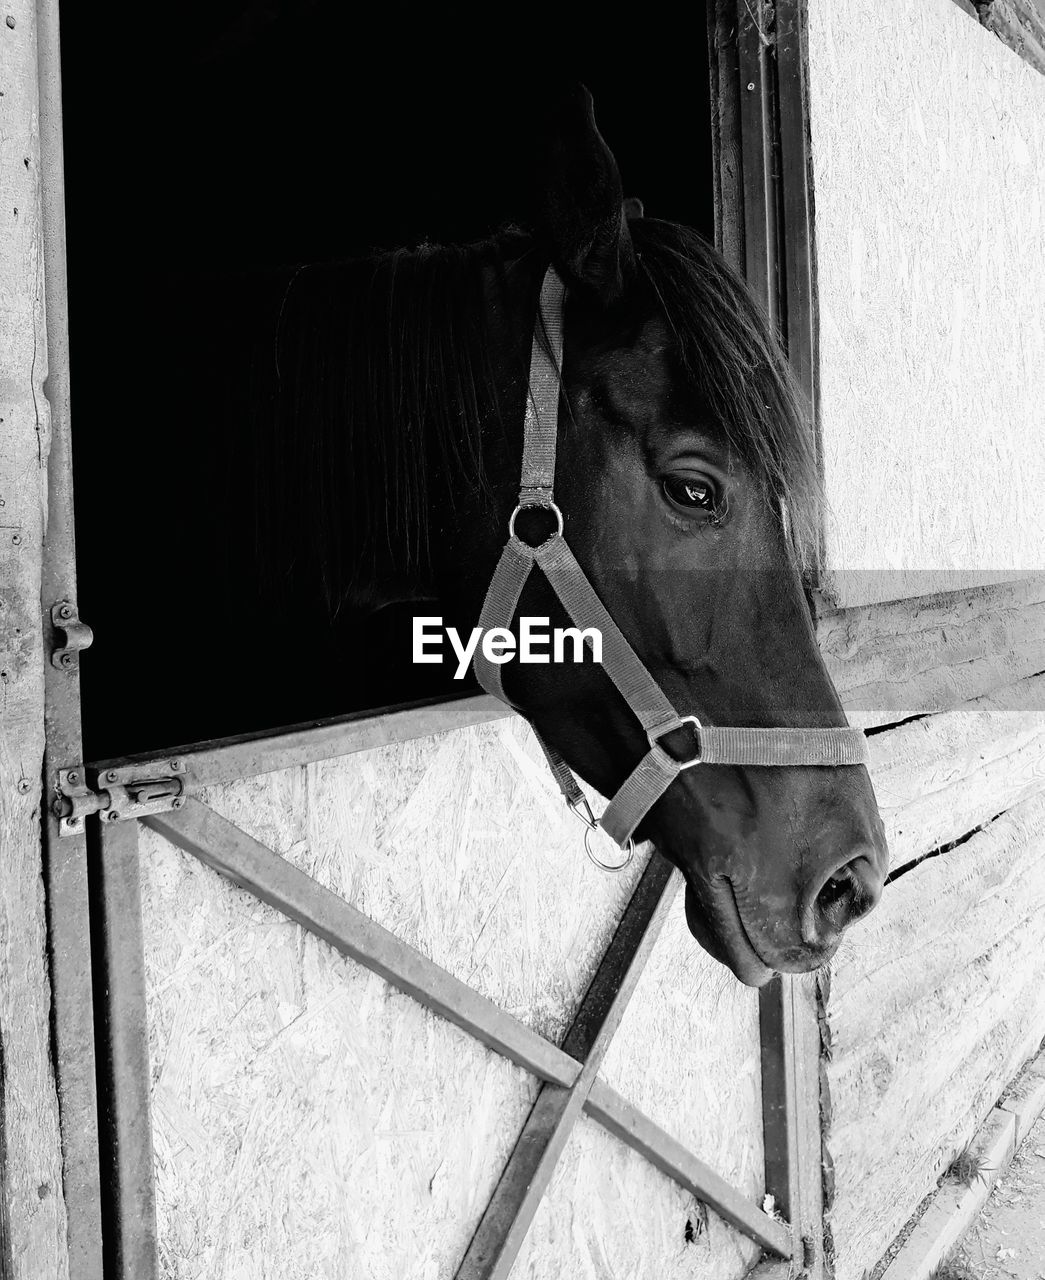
{"x":370,"y":393}
{"x":368,"y":403}
{"x":732,"y":358}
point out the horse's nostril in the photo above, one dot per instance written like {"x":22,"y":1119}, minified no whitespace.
{"x":844,"y":895}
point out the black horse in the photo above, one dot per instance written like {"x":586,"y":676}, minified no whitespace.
{"x":372,"y":411}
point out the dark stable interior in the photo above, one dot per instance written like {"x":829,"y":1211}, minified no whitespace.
{"x":262,"y":134}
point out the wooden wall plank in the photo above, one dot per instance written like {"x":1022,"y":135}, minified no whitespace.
{"x":938,"y":778}
{"x":34,"y":1242}
{"x":934,"y":1003}
{"x":929,"y":654}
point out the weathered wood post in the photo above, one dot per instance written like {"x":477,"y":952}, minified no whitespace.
{"x":32,"y":1208}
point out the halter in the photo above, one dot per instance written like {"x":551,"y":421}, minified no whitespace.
{"x":655,"y":772}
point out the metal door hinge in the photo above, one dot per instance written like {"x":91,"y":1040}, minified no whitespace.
{"x":130,"y":791}
{"x":71,"y":636}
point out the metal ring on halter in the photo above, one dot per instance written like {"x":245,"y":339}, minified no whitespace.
{"x":654,"y":736}
{"x":591,"y":823}
{"x":607,"y":866}
{"x":537,"y":506}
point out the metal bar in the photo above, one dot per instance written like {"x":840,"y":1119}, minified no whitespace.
{"x":796,"y":189}
{"x":123,"y":1053}
{"x":779,"y":1098}
{"x":790,"y":1038}
{"x":808,"y":1141}
{"x":608,"y":993}
{"x":249,"y":864}
{"x":65,"y":859}
{"x":502,"y":1229}
{"x":232,"y":759}
{"x":755,"y":90}
{"x":727,"y":161}
{"x":669,"y":1156}
{"x":789,"y":1029}
{"x":763,"y":113}
{"x":796,"y":194}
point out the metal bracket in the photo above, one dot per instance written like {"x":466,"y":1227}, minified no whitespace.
{"x":117,"y":795}
{"x":70,"y":635}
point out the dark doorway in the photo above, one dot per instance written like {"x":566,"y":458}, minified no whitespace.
{"x":266,"y":133}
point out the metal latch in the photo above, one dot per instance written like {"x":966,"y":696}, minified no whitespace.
{"x":130,"y":791}
{"x":71,"y":636}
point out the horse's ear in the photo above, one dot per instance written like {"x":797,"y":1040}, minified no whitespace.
{"x":580,"y":202}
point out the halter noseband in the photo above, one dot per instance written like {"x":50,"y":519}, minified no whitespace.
{"x":656,"y":771}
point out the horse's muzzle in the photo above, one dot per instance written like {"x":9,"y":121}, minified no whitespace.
{"x":834,"y":900}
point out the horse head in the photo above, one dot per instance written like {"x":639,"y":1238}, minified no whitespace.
{"x":688,"y":486}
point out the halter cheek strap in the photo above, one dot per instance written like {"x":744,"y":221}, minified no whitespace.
{"x":656,"y":771}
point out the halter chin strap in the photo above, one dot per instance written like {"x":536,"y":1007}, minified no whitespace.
{"x":656,"y":771}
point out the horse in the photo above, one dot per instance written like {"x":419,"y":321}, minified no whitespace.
{"x":382,"y":406}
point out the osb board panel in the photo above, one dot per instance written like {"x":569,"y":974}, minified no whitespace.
{"x":687,"y":1054}
{"x":928,"y":156}
{"x":310,"y":1122}
{"x":935,"y":1002}
{"x":460,"y":844}
{"x":608,"y":1214}
{"x":32,"y":1207}
{"x":937,"y":778}
{"x":915,"y":657}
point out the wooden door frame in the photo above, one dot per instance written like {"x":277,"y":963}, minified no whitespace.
{"x":763,"y":220}
{"x":36,"y":1224}
{"x":764,"y":226}
{"x":66,"y":878}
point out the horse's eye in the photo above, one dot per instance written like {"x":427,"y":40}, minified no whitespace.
{"x":690,"y":495}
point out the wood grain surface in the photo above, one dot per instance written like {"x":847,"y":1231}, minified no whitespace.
{"x":34,"y":1212}
{"x":934,"y":1003}
{"x":928,"y":163}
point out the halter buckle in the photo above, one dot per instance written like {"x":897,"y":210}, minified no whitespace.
{"x":537,"y":506}
{"x":654,"y":736}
